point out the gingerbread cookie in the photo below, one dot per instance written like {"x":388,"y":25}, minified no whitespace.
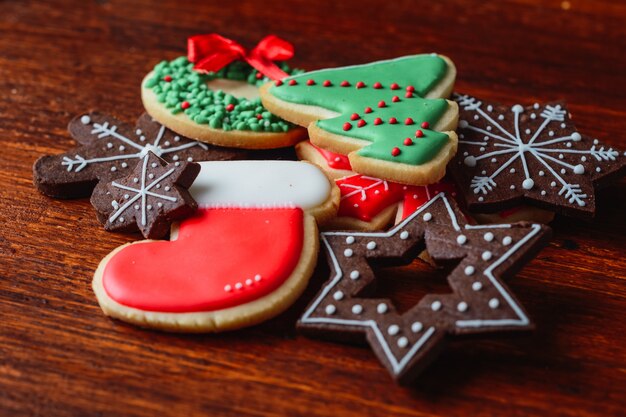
{"x":243,"y":258}
{"x":389,"y":117}
{"x":479,"y":302}
{"x":212,"y":94}
{"x":111,"y":149}
{"x":533,"y":154}
{"x":152,"y":196}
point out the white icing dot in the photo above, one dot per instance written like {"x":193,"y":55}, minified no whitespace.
{"x":596,"y":141}
{"x":153,"y":165}
{"x":428,"y":217}
{"x":357,"y":309}
{"x":512,"y":170}
{"x":175,"y":158}
{"x":138,"y":132}
{"x":381,"y":308}
{"x":561,"y":156}
{"x":109,"y":145}
{"x":371,"y":245}
{"x":553,"y":184}
{"x":417,"y":327}
{"x":527,"y":131}
{"x":494,"y":303}
{"x":150,"y":176}
{"x":469,"y":270}
{"x":541,"y":173}
{"x":477,"y":286}
{"x":330,"y":309}
{"x":393,"y":329}
{"x":462,"y":306}
{"x":355,"y":275}
{"x":481,"y":198}
{"x":258,"y":278}
{"x":486,"y":255}
{"x":517,"y":108}
{"x":350,"y":240}
{"x":536,"y":106}
{"x":576,"y":137}
{"x":563,"y":125}
{"x":476,"y":117}
{"x":228,"y":288}
{"x":528,"y":183}
{"x":465,"y":153}
{"x":347,"y":253}
{"x":501,"y":117}
{"x":403,"y":342}
{"x":490,"y":108}
{"x":135,"y":179}
{"x":404,"y":235}
{"x":121,"y":148}
{"x":494,"y":160}
{"x":190,"y":159}
{"x":176,"y":138}
{"x":507,"y":240}
{"x":149,"y":206}
{"x":512,"y":187}
{"x":551,"y":133}
{"x":482,"y":149}
{"x":124,"y":165}
{"x":483,"y":172}
{"x":543,"y":192}
{"x":488,"y":236}
{"x":470,"y":161}
{"x":463,"y":124}
{"x":136,"y":206}
{"x":461,"y":239}
{"x":338,"y":295}
{"x":167,"y":188}
{"x":489,"y":127}
{"x":85,"y":120}
{"x":159,"y":204}
{"x":248,"y":282}
{"x":113,"y":169}
{"x":435,"y":306}
{"x":563,"y":171}
{"x":158,"y":186}
{"x":598,"y":169}
{"x":121,"y":220}
{"x":142,"y":138}
{"x":533,"y":116}
{"x":126,"y":196}
{"x":568,"y":144}
{"x":167,"y":143}
{"x":238,"y":286}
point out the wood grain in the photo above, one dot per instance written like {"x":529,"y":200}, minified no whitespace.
{"x":59,"y":356}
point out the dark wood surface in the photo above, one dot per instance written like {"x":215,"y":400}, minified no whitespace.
{"x":60,"y":356}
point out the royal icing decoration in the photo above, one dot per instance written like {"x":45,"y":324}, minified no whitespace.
{"x":534,"y":152}
{"x":333,"y":160}
{"x":364,"y":197}
{"x":148,"y":199}
{"x":479,"y":301}
{"x":382,"y":103}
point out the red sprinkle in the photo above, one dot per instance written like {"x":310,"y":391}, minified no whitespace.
{"x":258,"y":116}
{"x":344,"y":83}
{"x":185,"y":105}
{"x":377,"y":85}
{"x":361,"y":123}
{"x":360,"y":84}
{"x":395,"y":99}
{"x":167,"y":78}
{"x":293,"y":82}
{"x":327,"y":83}
{"x":425,"y":125}
{"x":382,"y":104}
{"x":347,"y":126}
{"x":408,"y":121}
{"x":278,"y":83}
{"x":419,"y":134}
{"x":408,"y":94}
{"x":395,"y":86}
{"x":395,"y":151}
{"x":258,"y":75}
{"x":410,"y":88}
{"x":368,"y":110}
{"x":378,"y":121}
{"x":355,"y":116}
{"x":310,"y":82}
{"x":393,"y":120}
{"x":230,"y":107}
{"x":408,"y":142}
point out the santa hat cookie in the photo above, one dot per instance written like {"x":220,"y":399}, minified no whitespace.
{"x":212,"y":94}
{"x":243,"y":258}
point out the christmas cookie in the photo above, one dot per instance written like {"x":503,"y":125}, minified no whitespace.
{"x":514,"y":154}
{"x":148,"y":199}
{"x":334,"y":164}
{"x":479,"y":301}
{"x":389,"y":117}
{"x":243,"y":258}
{"x":212,"y":94}
{"x":110,"y":149}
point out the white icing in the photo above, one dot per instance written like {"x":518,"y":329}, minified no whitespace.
{"x":462,"y":306}
{"x":477,"y":286}
{"x":354,"y":275}
{"x":469,"y":270}
{"x":348,"y":253}
{"x":436,"y":306}
{"x":371,"y":245}
{"x":350,"y":240}
{"x":488,"y":236}
{"x":417,"y":327}
{"x":486,"y":255}
{"x":404,"y":235}
{"x":393,"y":330}
{"x":381,"y":308}
{"x":494,"y":303}
{"x":428,"y":217}
{"x":461,"y":239}
{"x":260,"y":184}
{"x":403,"y":342}
{"x":330,"y":309}
{"x":357,"y":309}
{"x":338,"y":295}
{"x":507,"y":240}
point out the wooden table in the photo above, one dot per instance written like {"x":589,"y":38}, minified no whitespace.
{"x":60,"y":356}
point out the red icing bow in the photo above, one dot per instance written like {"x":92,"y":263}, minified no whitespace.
{"x":212,"y":52}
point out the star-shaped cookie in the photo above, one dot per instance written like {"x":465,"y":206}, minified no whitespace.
{"x":110,"y":149}
{"x":510,"y":155}
{"x":148,"y":199}
{"x":479,"y":302}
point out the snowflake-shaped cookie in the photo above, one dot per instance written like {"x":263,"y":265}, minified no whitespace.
{"x":534,"y":154}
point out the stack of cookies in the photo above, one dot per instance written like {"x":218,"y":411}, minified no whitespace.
{"x":394,"y":164}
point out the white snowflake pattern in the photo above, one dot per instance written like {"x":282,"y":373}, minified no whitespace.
{"x":363,"y":189}
{"x":138,"y":150}
{"x":514,"y":146}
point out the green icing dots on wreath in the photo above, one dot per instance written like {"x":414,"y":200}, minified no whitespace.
{"x":181,"y":89}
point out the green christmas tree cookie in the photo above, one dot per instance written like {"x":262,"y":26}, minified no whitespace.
{"x":390,"y":117}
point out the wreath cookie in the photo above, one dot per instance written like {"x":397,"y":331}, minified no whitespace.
{"x":243,"y":258}
{"x":212,"y":94}
{"x":389,"y":117}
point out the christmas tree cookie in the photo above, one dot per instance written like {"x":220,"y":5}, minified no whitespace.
{"x":212,"y":95}
{"x":389,"y":117}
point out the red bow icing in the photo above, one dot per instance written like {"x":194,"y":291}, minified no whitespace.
{"x":212,"y":52}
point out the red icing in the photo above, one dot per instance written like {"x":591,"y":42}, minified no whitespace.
{"x":215,"y":248}
{"x":381,"y":103}
{"x":355,"y":116}
{"x":347,"y":126}
{"x":278,"y":83}
{"x":185,"y":105}
{"x":293,"y":82}
{"x":416,"y":196}
{"x":506,"y":213}
{"x":378,"y":195}
{"x":368,"y":110}
{"x":393,"y":120}
{"x":408,"y":142}
{"x":360,"y":84}
{"x":334,"y":160}
{"x":230,"y":107}
{"x":408,"y":121}
{"x":345,"y":84}
{"x":396,"y":151}
{"x":377,"y":85}
{"x":378,"y":121}
{"x":408,"y":95}
{"x":361,"y":123}
{"x":167,"y":78}
{"x":327,"y":83}
{"x":310,"y":82}
{"x":395,"y":86}
{"x":395,"y":99}
{"x":419,"y":134}
{"x":425,"y":125}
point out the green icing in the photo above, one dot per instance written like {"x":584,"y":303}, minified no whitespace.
{"x":209,"y":107}
{"x":422,"y":72}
